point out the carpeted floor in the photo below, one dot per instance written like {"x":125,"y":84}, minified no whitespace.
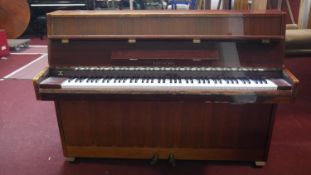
{"x":31,"y":69}
{"x":25,"y":63}
{"x":30,"y":142}
{"x":13,"y":62}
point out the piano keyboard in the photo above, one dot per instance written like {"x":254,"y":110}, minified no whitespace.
{"x":165,"y":84}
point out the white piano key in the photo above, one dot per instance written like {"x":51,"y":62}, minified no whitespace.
{"x":141,"y":84}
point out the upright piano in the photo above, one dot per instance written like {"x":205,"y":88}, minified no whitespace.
{"x":194,"y":85}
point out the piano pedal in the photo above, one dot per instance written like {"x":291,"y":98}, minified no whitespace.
{"x":154,"y":159}
{"x":171,"y":160}
{"x":260,"y":164}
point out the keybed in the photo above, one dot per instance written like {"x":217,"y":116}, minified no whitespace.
{"x":176,"y":79}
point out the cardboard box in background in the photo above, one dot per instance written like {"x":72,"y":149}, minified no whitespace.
{"x":4,"y":47}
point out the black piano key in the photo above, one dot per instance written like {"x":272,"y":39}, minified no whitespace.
{"x":235,"y":81}
{"x":230,"y":80}
{"x":219,"y":81}
{"x":240,"y":80}
{"x":243,"y":81}
{"x":248,"y":81}
{"x":215,"y":81}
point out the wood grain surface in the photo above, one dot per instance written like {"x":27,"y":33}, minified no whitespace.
{"x":165,"y":24}
{"x":189,"y":128}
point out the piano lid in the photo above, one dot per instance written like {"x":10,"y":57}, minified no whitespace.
{"x":177,"y":13}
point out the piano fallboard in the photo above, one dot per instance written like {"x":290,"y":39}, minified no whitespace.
{"x":157,"y":53}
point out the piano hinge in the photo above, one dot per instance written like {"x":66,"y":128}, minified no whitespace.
{"x":196,"y":41}
{"x":132,"y":41}
{"x":65,"y":41}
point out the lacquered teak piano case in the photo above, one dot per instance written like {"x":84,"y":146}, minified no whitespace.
{"x":195,"y":85}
